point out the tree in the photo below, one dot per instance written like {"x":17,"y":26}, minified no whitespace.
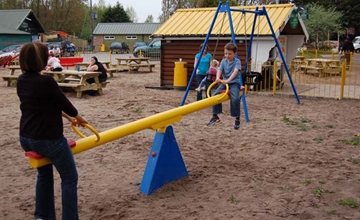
{"x":321,"y":21}
{"x":149,"y":19}
{"x":115,"y":14}
{"x":350,"y":10}
{"x":132,"y":14}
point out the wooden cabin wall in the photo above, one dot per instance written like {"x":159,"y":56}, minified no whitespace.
{"x":186,"y":49}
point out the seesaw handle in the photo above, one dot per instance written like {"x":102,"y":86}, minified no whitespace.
{"x":77,"y":131}
{"x":214,"y":83}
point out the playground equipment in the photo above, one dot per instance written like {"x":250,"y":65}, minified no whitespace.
{"x":165,"y":163}
{"x":225,"y":8}
{"x":8,"y":58}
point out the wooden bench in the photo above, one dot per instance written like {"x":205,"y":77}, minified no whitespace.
{"x":135,"y":67}
{"x":79,"y":88}
{"x":332,"y":70}
{"x":311,"y":69}
{"x":111,"y":71}
{"x":11,"y":80}
{"x":67,"y":79}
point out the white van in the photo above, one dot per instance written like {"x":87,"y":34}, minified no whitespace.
{"x":356,"y":43}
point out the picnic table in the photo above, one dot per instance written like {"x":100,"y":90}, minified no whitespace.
{"x":321,"y":66}
{"x":86,"y":64}
{"x":134,"y":63}
{"x":111,"y":71}
{"x":11,"y":79}
{"x":77,"y":80}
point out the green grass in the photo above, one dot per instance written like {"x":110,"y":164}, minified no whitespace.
{"x":286,"y":188}
{"x":300,"y":123}
{"x":305,"y":182}
{"x":351,"y":202}
{"x":322,"y":181}
{"x":318,"y":140}
{"x":138,"y":110}
{"x":331,"y":212}
{"x":354,"y":141}
{"x":233,"y":200}
{"x":303,"y":127}
{"x":308,"y":54}
{"x":318,"y":192}
{"x":353,"y":160}
{"x":304,"y":120}
{"x":288,"y":121}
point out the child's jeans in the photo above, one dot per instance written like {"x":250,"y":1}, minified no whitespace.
{"x":234,"y":89}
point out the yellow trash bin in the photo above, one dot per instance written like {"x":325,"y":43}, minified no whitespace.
{"x":180,"y":75}
{"x":102,"y":47}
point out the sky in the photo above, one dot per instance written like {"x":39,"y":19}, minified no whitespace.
{"x":142,"y":8}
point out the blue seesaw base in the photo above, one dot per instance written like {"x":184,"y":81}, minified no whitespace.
{"x":165,"y":163}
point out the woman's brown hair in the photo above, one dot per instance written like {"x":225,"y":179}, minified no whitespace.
{"x":206,"y":47}
{"x":33,"y":57}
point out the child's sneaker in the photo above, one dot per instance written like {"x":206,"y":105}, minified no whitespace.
{"x":237,"y":124}
{"x":214,"y":120}
{"x":198,"y":89}
{"x":203,"y":88}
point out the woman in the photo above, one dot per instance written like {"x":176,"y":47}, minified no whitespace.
{"x":203,"y":67}
{"x":43,"y":105}
{"x":96,"y":66}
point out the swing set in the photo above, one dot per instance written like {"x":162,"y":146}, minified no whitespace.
{"x":226,"y":9}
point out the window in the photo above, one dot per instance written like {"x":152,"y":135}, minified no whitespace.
{"x":109,"y":37}
{"x":131,"y":37}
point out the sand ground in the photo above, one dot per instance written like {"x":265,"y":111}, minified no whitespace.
{"x":292,"y":161}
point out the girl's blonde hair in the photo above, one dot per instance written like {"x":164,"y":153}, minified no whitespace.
{"x":215,"y":62}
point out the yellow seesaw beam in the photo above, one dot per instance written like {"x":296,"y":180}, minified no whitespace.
{"x":159,"y":121}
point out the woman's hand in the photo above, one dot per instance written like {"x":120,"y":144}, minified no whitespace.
{"x":80,"y":121}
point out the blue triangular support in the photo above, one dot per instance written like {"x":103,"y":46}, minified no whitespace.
{"x":165,"y":163}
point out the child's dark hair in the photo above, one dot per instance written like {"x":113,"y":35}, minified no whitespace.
{"x":231,"y":47}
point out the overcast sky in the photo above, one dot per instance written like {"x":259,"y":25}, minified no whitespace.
{"x":143,"y":8}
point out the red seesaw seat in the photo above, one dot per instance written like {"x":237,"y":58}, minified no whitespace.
{"x":34,"y":155}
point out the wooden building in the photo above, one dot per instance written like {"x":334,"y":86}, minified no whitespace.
{"x":182,"y":34}
{"x":129,"y":33}
{"x":19,"y":26}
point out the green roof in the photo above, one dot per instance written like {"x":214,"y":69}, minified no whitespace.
{"x":126,"y":28}
{"x":11,"y":20}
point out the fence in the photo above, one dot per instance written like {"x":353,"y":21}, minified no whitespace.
{"x":327,"y":77}
{"x":107,"y":56}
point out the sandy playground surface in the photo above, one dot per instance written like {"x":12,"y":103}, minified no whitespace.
{"x":290,"y":162}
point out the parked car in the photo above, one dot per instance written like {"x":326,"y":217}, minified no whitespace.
{"x":11,"y":48}
{"x":139,"y":44}
{"x":151,"y":50}
{"x":356,"y":43}
{"x":119,"y":47}
{"x":52,"y":44}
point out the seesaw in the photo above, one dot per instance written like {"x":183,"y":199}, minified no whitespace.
{"x":165,"y":163}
